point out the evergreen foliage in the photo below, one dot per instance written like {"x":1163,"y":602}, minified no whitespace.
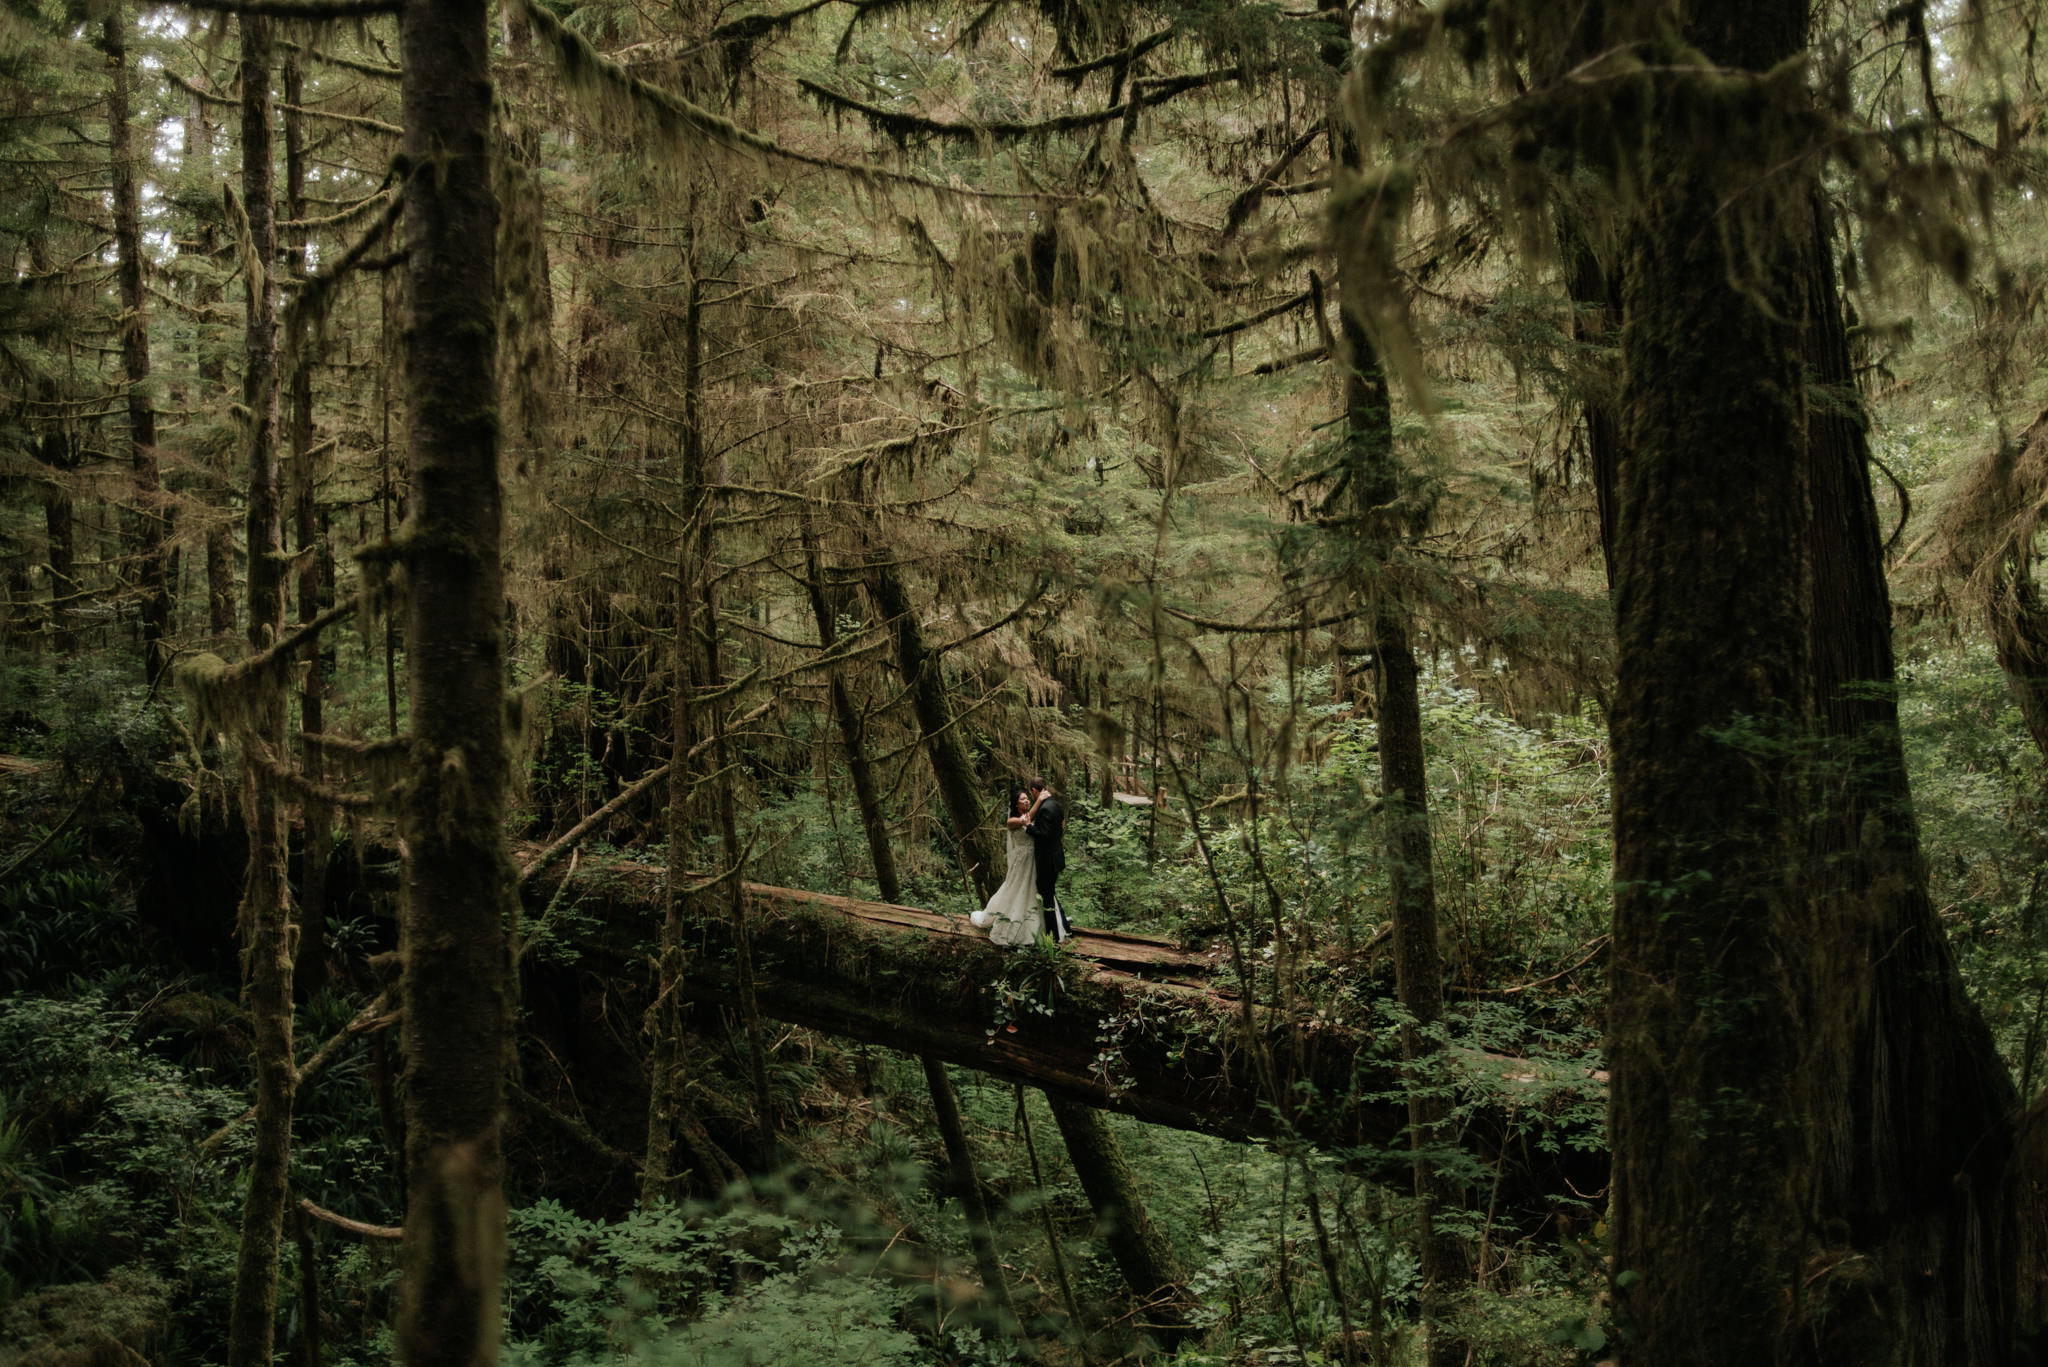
{"x":880,"y":403}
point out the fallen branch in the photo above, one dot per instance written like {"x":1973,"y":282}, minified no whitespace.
{"x":352,"y":1226}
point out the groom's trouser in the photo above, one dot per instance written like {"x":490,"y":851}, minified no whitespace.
{"x":1048,"y":885}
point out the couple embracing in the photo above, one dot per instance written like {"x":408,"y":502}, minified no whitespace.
{"x":1037,"y":852}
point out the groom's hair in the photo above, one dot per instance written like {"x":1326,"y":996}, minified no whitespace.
{"x":1038,"y":785}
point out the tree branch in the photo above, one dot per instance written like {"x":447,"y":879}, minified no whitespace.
{"x":311,"y":11}
{"x":327,"y":1216}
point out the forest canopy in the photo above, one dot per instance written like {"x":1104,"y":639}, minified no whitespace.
{"x":551,"y":548}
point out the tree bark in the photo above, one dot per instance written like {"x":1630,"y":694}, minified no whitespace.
{"x":1929,"y":1106}
{"x":966,"y":1183}
{"x":150,"y":516}
{"x":266,"y":911}
{"x":58,"y":451}
{"x":456,"y":987}
{"x":1371,"y":475}
{"x":1809,"y":1126}
{"x":215,"y":490}
{"x":311,"y":959}
{"x":1140,"y":1249}
{"x":924,"y":675}
{"x":874,"y":822}
{"x":921,"y":982}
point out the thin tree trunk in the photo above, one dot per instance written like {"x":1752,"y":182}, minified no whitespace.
{"x":307,"y":1348}
{"x":866,"y":796}
{"x":696,"y":674}
{"x":966,"y":1182}
{"x":265,"y":913}
{"x":945,"y":1104}
{"x":311,"y":973}
{"x":216,"y":481}
{"x":1373,"y":477}
{"x":58,"y":450}
{"x":457,"y":982}
{"x":151,"y":516}
{"x":924,"y":676}
{"x":1139,"y":1247}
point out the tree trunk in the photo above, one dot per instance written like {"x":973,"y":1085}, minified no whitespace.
{"x":265,"y":913}
{"x":865,"y":795}
{"x":58,"y":451}
{"x":966,"y":1183}
{"x":1372,"y":477}
{"x":311,"y":960}
{"x":1596,"y":314}
{"x":1809,"y":1126}
{"x":216,"y":481}
{"x":696,"y":675}
{"x":945,"y":1104}
{"x":1139,"y":1247}
{"x":1929,"y":1107}
{"x":458,"y":879}
{"x":924,"y":675}
{"x":150,"y":516}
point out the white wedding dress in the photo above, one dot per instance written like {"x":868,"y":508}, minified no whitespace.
{"x":1011,"y":916}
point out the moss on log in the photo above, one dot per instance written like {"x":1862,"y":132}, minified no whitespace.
{"x":1121,"y":1022}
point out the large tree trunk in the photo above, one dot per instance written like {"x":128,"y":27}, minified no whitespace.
{"x":1808,"y":1124}
{"x":1928,"y":1109}
{"x":265,"y":913}
{"x":150,"y":516}
{"x":921,"y":982}
{"x":458,"y":879}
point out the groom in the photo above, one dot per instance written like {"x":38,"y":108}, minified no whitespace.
{"x":1048,"y":831}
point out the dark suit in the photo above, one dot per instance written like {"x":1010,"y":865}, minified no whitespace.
{"x":1048,"y":831}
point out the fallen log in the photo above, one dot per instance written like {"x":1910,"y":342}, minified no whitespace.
{"x":1122,"y":1022}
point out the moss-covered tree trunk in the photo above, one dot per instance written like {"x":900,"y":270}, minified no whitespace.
{"x":1928,"y":1107}
{"x":1809,"y":1126}
{"x":1370,"y":496}
{"x":266,"y":913}
{"x":150,"y":515}
{"x":1140,"y":1248}
{"x":1710,"y":709}
{"x":195,"y":155}
{"x":310,"y":962}
{"x":924,"y":675}
{"x":873,"y":821}
{"x":456,"y":988}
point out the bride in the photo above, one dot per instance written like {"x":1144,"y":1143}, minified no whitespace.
{"x":1011,"y":916}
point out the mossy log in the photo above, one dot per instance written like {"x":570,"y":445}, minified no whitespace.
{"x":929,"y":984}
